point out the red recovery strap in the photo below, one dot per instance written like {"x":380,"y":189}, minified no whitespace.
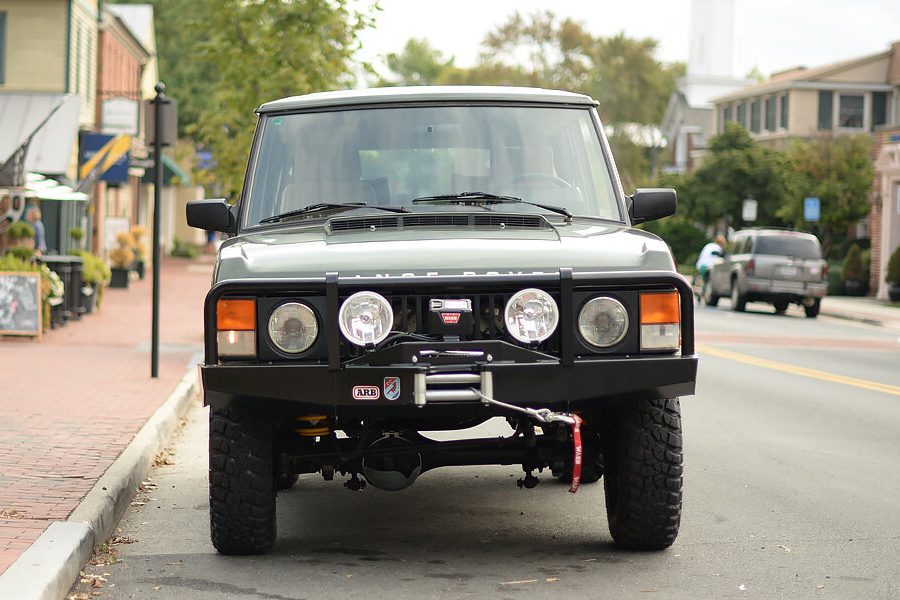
{"x":576,"y":462}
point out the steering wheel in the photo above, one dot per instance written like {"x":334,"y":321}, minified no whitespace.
{"x":536,"y":178}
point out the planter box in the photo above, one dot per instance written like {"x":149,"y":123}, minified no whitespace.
{"x":119,"y":278}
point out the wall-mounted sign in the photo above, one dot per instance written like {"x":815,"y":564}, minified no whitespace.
{"x":119,"y":115}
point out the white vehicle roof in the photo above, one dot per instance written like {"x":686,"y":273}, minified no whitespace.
{"x":425,"y":93}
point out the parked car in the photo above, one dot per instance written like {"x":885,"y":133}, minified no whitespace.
{"x":770,"y":265}
{"x":408,"y":260}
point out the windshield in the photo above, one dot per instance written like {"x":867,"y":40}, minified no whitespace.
{"x":391,"y":156}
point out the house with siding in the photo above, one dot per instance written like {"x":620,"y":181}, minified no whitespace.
{"x":860,"y":95}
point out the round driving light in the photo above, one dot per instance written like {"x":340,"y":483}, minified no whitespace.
{"x":603,"y":322}
{"x":531,"y":315}
{"x":293,"y":327}
{"x":366,"y":318}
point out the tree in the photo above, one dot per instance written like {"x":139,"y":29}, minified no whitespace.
{"x":838,"y":171}
{"x":262,"y":50}
{"x":735,"y":168}
{"x":418,"y":64}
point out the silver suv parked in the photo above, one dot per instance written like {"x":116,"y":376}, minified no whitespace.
{"x":769,"y":265}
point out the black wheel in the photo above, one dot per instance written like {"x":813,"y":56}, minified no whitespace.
{"x":710,"y":297}
{"x":812,"y":310}
{"x":643,"y":474}
{"x":738,"y":300}
{"x":241,"y":482}
{"x":781,"y":306}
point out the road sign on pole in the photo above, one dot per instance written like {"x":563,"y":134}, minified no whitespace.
{"x":749,"y":209}
{"x":811,"y":209}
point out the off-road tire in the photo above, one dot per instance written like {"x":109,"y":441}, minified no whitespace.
{"x":644,"y":473}
{"x":241,"y":482}
{"x":738,"y":300}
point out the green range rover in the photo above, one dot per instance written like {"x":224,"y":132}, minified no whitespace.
{"x":409,"y":260}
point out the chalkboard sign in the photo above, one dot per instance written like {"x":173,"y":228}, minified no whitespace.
{"x":20,"y":303}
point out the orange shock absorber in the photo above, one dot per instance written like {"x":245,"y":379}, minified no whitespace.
{"x":313,"y":425}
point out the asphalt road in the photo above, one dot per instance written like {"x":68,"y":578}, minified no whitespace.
{"x":791,"y":491}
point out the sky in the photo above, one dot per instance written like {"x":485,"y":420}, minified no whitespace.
{"x":780,"y":34}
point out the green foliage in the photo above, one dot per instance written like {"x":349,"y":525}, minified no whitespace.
{"x":736,"y":168}
{"x":184,"y":250}
{"x":682,"y":236}
{"x":76,"y":233}
{"x":837,"y":170}
{"x":20,"y":230}
{"x":22,"y":252}
{"x":418,"y":64}
{"x":892,"y":273}
{"x":260,"y":51}
{"x":11,"y":262}
{"x":853,"y":267}
{"x":95,"y":270}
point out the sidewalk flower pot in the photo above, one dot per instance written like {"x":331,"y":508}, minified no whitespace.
{"x":139,"y":268}
{"x":119,"y":277}
{"x":894,"y":292}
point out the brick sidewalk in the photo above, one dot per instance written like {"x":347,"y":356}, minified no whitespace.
{"x":72,"y":402}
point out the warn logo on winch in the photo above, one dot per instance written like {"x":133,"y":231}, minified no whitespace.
{"x":450,"y":316}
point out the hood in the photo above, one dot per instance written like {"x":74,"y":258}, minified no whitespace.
{"x":311,"y":251}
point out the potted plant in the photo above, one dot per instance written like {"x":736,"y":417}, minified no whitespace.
{"x":21,"y":234}
{"x":77,"y":235}
{"x":892,"y":276}
{"x":853,"y":273}
{"x":121,"y":259}
{"x":140,"y":249}
{"x":95,"y":275}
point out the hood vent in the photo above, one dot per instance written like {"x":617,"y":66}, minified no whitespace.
{"x":489,"y":221}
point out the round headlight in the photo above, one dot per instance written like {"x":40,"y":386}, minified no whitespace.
{"x":366,"y":318}
{"x":603,"y":322}
{"x":293,"y":327}
{"x":531,"y":315}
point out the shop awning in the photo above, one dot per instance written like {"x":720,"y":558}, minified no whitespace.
{"x":51,"y":147}
{"x":44,"y":188}
{"x":172,"y":174}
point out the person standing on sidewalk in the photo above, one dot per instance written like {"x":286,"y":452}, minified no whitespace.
{"x":33,"y":216}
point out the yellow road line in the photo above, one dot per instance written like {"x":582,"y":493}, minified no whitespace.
{"x":802,"y":371}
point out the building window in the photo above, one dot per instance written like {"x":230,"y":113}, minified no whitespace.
{"x":755,"y":109}
{"x":784,"y":111}
{"x":770,"y":114}
{"x":826,"y":102}
{"x":879,"y":109}
{"x":850,"y":111}
{"x":2,"y":47}
{"x":729,"y":113}
{"x":742,"y":114}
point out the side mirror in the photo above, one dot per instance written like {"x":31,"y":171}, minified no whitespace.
{"x":211,"y":215}
{"x":649,"y":204}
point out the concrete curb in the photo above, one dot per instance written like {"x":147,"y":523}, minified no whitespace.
{"x":49,"y":568}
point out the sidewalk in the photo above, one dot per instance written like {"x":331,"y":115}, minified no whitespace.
{"x":81,"y":420}
{"x":71,"y":404}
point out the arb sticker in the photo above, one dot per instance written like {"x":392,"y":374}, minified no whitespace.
{"x":391,"y":388}
{"x":366,"y":392}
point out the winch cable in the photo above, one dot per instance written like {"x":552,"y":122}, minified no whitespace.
{"x":545,"y":415}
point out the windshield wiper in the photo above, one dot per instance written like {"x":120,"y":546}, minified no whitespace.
{"x":488,"y":198}
{"x":328,"y":206}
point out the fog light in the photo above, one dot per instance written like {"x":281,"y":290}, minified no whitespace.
{"x":366,"y":318}
{"x":531,"y":315}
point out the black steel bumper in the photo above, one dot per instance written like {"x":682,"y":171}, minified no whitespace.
{"x":452,"y":373}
